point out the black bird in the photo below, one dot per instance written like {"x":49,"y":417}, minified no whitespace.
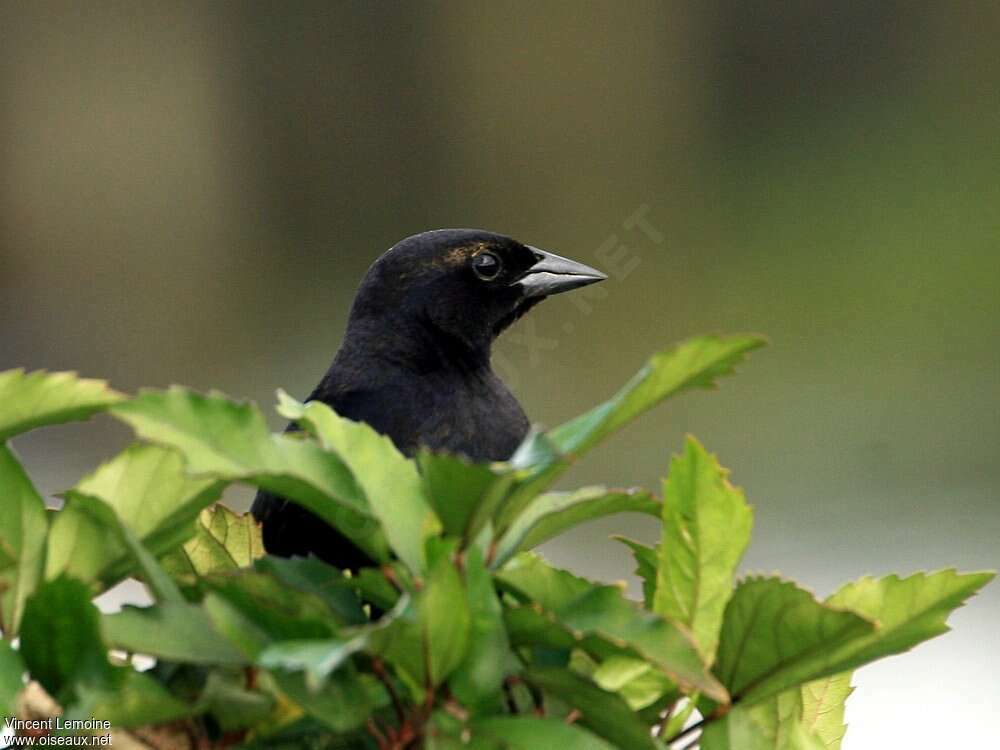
{"x":415,"y":361}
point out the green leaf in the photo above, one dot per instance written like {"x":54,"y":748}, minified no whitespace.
{"x":535,"y":580}
{"x":647,"y":561}
{"x":345,"y":701}
{"x":585,"y":610}
{"x":320,"y":658}
{"x":34,"y":399}
{"x":530,"y":733}
{"x":281,"y":612}
{"x":429,"y":638}
{"x":635,"y":680}
{"x":696,"y":363}
{"x":7,"y":556}
{"x":230,"y":441}
{"x":149,"y":489}
{"x":906,"y":610}
{"x":478,"y":679}
{"x":223,"y":541}
{"x":152,"y":496}
{"x":131,"y":699}
{"x":776,"y":636}
{"x":235,"y":625}
{"x":11,"y":678}
{"x":372,"y":585}
{"x":463,"y":494}
{"x":773,"y":725}
{"x":390,"y":482}
{"x":706,"y":529}
{"x":444,"y":614}
{"x":22,"y":536}
{"x":553,"y":513}
{"x":823,"y":704}
{"x":232,"y":705}
{"x":174,"y":628}
{"x":605,"y":714}
{"x":61,"y":639}
{"x":314,"y":576}
{"x":177,"y":631}
{"x":102,"y":522}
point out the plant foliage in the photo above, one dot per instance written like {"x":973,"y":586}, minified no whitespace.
{"x":461,"y":636}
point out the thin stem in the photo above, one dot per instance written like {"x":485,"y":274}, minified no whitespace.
{"x":375,"y":732}
{"x":509,"y":696}
{"x":491,"y":553}
{"x":378,"y":667}
{"x":665,"y":719}
{"x":391,"y":577}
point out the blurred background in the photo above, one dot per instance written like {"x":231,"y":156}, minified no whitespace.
{"x":191,"y":191}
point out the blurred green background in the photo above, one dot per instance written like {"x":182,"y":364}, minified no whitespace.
{"x":190,"y":192}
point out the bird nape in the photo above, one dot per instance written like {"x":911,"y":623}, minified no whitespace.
{"x":415,"y":361}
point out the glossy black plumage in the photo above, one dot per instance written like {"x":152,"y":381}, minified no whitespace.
{"x":415,"y":360}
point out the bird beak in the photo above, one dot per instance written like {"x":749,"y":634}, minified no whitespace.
{"x":553,"y":274}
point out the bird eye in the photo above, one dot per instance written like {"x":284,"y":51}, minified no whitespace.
{"x":487,"y":266}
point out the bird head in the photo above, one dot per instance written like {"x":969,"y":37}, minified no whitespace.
{"x":467,"y":285}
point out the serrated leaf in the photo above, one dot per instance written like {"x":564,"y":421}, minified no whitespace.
{"x":230,"y":441}
{"x":33,"y":399}
{"x":816,"y":641}
{"x":647,"y":561}
{"x":604,"y":713}
{"x":585,"y":610}
{"x":61,"y":640}
{"x":22,"y":536}
{"x":696,"y":363}
{"x":773,"y":725}
{"x":148,"y":488}
{"x":477,"y":681}
{"x":823,"y":704}
{"x":556,"y":512}
{"x":390,"y":482}
{"x":776,"y":636}
{"x":530,"y":733}
{"x":706,"y":529}
{"x":11,"y":678}
{"x":223,"y":541}
{"x":151,"y":494}
{"x":907,"y":610}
